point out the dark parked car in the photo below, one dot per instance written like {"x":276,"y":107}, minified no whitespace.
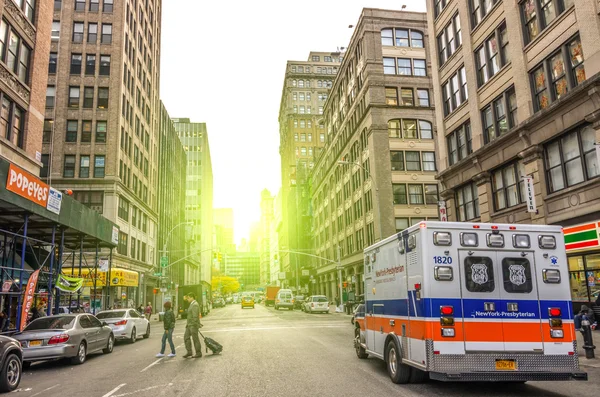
{"x":11,"y":364}
{"x":219,"y":302}
{"x":299,"y":301}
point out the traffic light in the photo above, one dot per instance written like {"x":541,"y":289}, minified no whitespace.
{"x":155,"y":291}
{"x":214,"y":255}
{"x":220,"y":257}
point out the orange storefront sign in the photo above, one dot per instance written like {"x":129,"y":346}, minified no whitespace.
{"x":26,"y":185}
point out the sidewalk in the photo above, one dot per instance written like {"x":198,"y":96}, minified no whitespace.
{"x":588,"y":362}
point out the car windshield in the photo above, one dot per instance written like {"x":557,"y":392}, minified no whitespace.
{"x":247,"y":298}
{"x":53,"y":322}
{"x":320,"y":299}
{"x":117,"y":314}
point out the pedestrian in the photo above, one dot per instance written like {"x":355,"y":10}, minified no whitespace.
{"x":192,"y":326}
{"x":140,"y":309}
{"x":148,"y":311}
{"x":584,"y":314}
{"x":337,"y":300}
{"x":169,"y":324}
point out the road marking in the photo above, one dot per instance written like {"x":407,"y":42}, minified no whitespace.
{"x":152,"y":365}
{"x":113,"y":391}
{"x":143,"y":390}
{"x":45,"y":390}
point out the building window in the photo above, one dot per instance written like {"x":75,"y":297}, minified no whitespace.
{"x":101,"y":131}
{"x":99,"y":166}
{"x":560,"y":72}
{"x":479,"y":9}
{"x":50,"y":96}
{"x":52,"y":63}
{"x":94,"y":5}
{"x":107,"y":5}
{"x":84,"y":166}
{"x":423,"y":96}
{"x":450,"y":39}
{"x":104,"y":65}
{"x":69,"y":166}
{"x":55,"y":34}
{"x":571,"y":159}
{"x":508,"y":187}
{"x":74,"y":93}
{"x":122,"y":247}
{"x":428,"y":161}
{"x":14,"y":52}
{"x":86,"y":131}
{"x":397,"y":159}
{"x":88,"y":97}
{"x":403,"y":38}
{"x":316,"y":58}
{"x":45,"y":170}
{"x":401,"y":224}
{"x":123,"y":209}
{"x":72,"y":130}
{"x":90,"y":65}
{"x":133,"y":241}
{"x":391,"y":96}
{"x":106,"y":33}
{"x":439,"y":6}
{"x":413,"y":161}
{"x":48,"y":128}
{"x":454,"y":91}
{"x":415,"y":194}
{"x":76,"y":60}
{"x":79,"y":5}
{"x":57,"y":5}
{"x":327,"y":58}
{"x":459,"y":143}
{"x":102,"y":97}
{"x":491,"y":57}
{"x":431,"y":194}
{"x":467,"y":202}
{"x":407,"y":97}
{"x":538,"y":14}
{"x":497,"y":121}
{"x":91,"y":199}
{"x":78,"y":32}
{"x":399,"y":193}
{"x":410,"y":129}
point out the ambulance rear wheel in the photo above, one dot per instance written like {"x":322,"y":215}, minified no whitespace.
{"x":399,"y":372}
{"x":418,"y":376}
{"x":360,"y":351}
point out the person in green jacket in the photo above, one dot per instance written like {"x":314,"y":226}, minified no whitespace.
{"x":169,"y":324}
{"x":192,"y":326}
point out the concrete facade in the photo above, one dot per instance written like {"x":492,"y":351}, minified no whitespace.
{"x":23,"y":80}
{"x":266,"y":219}
{"x":376,"y":174}
{"x":533,"y":111}
{"x":101,"y":128}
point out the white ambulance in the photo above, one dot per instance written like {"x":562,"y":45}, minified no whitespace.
{"x":462,"y":301}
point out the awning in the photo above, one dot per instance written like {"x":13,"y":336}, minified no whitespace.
{"x":119,"y":277}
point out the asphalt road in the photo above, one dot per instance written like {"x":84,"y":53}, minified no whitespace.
{"x":266,"y":353}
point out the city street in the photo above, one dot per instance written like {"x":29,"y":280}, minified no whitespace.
{"x":266,"y":353}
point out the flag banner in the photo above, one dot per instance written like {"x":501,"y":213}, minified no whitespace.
{"x":68,"y":284}
{"x":28,"y":298}
{"x":529,"y":193}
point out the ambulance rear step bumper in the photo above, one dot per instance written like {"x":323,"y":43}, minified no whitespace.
{"x":507,"y":376}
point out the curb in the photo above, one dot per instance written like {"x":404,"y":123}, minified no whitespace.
{"x":589,"y":364}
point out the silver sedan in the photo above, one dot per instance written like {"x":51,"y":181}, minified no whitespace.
{"x":126,"y":323}
{"x":71,"y":336}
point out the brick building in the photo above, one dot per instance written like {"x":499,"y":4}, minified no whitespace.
{"x":517,"y":94}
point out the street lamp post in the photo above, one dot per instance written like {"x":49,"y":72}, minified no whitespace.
{"x":342,"y":162}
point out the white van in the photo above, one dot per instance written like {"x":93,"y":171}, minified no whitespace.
{"x":284,"y":298}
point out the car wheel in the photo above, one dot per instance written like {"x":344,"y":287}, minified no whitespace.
{"x":399,"y":372}
{"x":147,"y":334}
{"x":360,"y":351}
{"x":11,"y":373}
{"x":81,"y":354}
{"x":110,"y":345}
{"x":133,"y":336}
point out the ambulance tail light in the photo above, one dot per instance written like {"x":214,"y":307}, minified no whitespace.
{"x":547,"y":242}
{"x":443,"y":273}
{"x":556,"y":322}
{"x":442,"y":238}
{"x":468,"y":239}
{"x":447,"y":320}
{"x":557,"y":333}
{"x":554,"y":312}
{"x":448,"y":332}
{"x":447,"y":310}
{"x":551,"y":276}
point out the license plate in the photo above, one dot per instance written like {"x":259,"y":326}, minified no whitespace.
{"x":35,"y":343}
{"x":506,"y":365}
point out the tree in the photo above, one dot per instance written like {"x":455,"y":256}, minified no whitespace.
{"x":225,"y":285}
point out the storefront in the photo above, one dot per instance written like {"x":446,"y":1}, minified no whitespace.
{"x":583,"y":251}
{"x":124,"y":288}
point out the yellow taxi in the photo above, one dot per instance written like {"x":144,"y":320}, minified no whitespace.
{"x":247,"y":301}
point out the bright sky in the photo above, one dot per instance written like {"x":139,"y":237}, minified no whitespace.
{"x":223,"y":63}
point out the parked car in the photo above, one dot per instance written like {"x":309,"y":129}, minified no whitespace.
{"x":317,"y":303}
{"x":284,"y":298}
{"x":62,"y":310}
{"x":229,"y":300}
{"x":299,"y":302}
{"x":71,"y":336}
{"x":219,"y":302}
{"x":11,"y":364}
{"x":126,"y":323}
{"x":359,"y":312}
{"x":247,"y":301}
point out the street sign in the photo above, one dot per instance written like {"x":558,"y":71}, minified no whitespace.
{"x":164,"y":261}
{"x":158,"y":274}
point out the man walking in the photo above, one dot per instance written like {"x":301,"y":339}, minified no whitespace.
{"x":148,"y":311}
{"x":191,"y":327}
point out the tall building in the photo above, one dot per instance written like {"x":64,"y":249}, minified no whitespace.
{"x":266,"y":220}
{"x":516,"y":97}
{"x":302,"y":135}
{"x":376,"y":173}
{"x":101,"y":128}
{"x":23,"y":78}
{"x":172,"y":225}
{"x":245,"y":267}
{"x":199,"y":201}
{"x":275,"y":232}
{"x":224,"y":232}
